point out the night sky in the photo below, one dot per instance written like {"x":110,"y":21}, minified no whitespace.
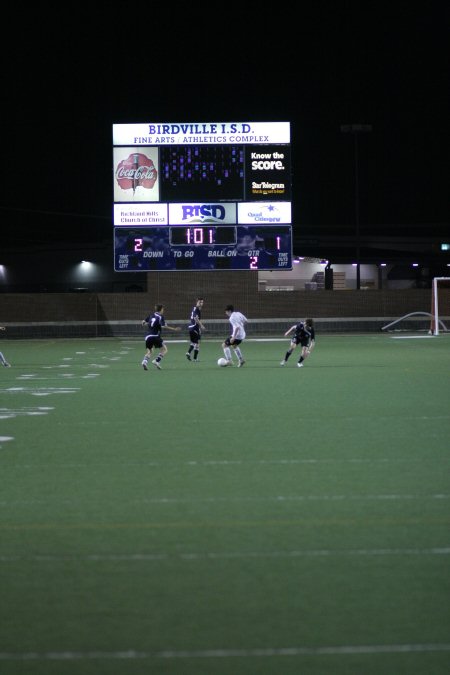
{"x":68,"y":77}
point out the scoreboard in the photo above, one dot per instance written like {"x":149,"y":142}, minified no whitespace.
{"x":206,"y":196}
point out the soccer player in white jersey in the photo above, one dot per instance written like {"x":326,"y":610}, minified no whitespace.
{"x":237,"y":321}
{"x":3,"y":361}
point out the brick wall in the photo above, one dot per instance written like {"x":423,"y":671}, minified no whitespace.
{"x":178,"y":290}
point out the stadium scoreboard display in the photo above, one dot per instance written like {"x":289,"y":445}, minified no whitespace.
{"x":202,"y":196}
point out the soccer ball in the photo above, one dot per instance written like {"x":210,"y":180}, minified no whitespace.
{"x":222,"y":362}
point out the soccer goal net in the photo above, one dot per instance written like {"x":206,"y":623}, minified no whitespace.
{"x":440,"y":304}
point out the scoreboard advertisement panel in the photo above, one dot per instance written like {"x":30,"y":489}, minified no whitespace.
{"x":202,"y":196}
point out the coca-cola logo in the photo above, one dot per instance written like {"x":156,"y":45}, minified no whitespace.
{"x":136,"y":170}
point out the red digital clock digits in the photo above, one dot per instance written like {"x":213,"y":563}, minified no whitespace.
{"x":196,"y":235}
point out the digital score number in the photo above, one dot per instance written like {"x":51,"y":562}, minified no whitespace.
{"x":236,"y":247}
{"x":202,"y":236}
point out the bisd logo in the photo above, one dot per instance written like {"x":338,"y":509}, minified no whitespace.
{"x":211,"y":213}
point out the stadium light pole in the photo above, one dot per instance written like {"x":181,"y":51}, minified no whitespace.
{"x":357,"y":129}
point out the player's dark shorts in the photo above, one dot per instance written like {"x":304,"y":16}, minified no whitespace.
{"x":194,"y":336}
{"x":304,"y":342}
{"x":153,"y":341}
{"x":228,"y":343}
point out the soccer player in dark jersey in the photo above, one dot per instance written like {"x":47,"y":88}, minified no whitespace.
{"x":155,"y":322}
{"x":304,"y":335}
{"x":195,"y":328}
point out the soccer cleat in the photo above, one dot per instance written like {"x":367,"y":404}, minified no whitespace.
{"x":299,"y":365}
{"x":188,"y":356}
{"x":144,"y":365}
{"x":6,"y":364}
{"x":241,"y":363}
{"x":156,"y":364}
{"x":282,"y":363}
{"x":229,"y":363}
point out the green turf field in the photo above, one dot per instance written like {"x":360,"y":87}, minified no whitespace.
{"x":220,"y":521}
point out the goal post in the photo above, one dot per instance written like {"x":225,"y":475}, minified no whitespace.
{"x":436,"y":309}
